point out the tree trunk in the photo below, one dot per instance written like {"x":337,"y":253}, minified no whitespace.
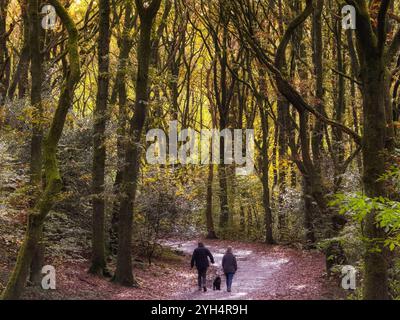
{"x":375,"y":59}
{"x":98,"y":261}
{"x":308,"y":212}
{"x":374,"y":153}
{"x":124,"y":274}
{"x":242,"y":221}
{"x":20,"y":77}
{"x":283,"y":126}
{"x":340,"y":110}
{"x":265,"y":179}
{"x":209,"y":214}
{"x":120,"y":94}
{"x":249,"y":222}
{"x":223,"y":195}
{"x":318,"y":130}
{"x":224,"y":90}
{"x":44,"y":204}
{"x":37,"y":131}
{"x":4,"y":54}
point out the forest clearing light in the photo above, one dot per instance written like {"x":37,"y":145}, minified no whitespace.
{"x":202,"y":147}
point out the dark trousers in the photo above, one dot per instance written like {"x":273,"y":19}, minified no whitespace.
{"x":202,"y":277}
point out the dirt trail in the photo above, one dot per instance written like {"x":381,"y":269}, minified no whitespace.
{"x":264,"y":272}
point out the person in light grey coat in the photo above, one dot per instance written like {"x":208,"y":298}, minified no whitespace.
{"x":229,"y":265}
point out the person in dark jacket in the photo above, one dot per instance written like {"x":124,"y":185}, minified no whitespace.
{"x":200,"y":259}
{"x":229,"y":265}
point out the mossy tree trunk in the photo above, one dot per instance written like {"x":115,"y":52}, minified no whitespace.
{"x":53,"y":181}
{"x":376,"y":56}
{"x":124,"y":274}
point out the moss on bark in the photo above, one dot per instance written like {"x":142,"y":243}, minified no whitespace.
{"x":46,"y":201}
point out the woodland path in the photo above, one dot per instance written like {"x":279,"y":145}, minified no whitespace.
{"x":264,"y":272}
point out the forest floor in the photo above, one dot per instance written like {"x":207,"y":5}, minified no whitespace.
{"x":264,"y":273}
